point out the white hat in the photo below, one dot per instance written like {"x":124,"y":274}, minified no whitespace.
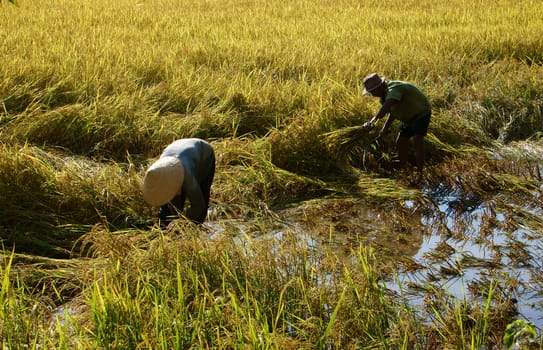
{"x":163,"y":180}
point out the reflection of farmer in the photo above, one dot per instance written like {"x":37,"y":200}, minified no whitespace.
{"x":185,"y":170}
{"x":405,"y":102}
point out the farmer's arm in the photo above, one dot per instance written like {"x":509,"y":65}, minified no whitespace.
{"x":389,"y":121}
{"x":384,"y":110}
{"x":196,"y":197}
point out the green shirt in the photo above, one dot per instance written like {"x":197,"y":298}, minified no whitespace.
{"x":412,"y":102}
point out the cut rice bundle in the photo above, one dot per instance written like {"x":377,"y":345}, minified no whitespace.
{"x":347,"y":143}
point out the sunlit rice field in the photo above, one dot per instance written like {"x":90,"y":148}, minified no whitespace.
{"x":313,"y":241}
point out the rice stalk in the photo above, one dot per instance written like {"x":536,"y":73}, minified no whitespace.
{"x":343,"y":144}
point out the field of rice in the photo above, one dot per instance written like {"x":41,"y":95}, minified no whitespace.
{"x":313,"y":239}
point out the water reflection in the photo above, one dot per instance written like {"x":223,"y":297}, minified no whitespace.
{"x":479,"y":241}
{"x":455,"y":244}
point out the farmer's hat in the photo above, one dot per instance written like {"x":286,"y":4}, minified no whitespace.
{"x":372,"y":82}
{"x":163,"y":180}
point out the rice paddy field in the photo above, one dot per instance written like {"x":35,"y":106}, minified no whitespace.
{"x":313,"y":239}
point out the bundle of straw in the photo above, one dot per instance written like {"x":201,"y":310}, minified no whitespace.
{"x":346,"y":143}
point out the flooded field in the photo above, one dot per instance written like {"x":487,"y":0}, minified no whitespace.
{"x":487,"y":249}
{"x":462,"y":250}
{"x":440,"y":244}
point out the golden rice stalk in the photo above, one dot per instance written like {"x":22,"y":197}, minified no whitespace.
{"x":345,"y":142}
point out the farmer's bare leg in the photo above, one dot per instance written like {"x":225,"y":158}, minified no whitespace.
{"x":402,"y":144}
{"x":419,"y":152}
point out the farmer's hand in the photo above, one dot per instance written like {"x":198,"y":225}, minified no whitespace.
{"x":368,"y":125}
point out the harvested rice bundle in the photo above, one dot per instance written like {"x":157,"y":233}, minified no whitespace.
{"x":347,"y":143}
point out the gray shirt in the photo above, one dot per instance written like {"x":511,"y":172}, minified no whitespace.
{"x":198,"y":161}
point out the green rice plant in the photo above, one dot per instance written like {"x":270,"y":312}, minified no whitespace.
{"x":24,"y":318}
{"x":463,"y":323}
{"x":369,"y":315}
{"x":182,"y":290}
{"x":189,"y":304}
{"x":187,"y":291}
{"x":519,"y":333}
{"x":117,"y":314}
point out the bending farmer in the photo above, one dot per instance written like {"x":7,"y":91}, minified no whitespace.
{"x":185,"y":169}
{"x":407,"y":103}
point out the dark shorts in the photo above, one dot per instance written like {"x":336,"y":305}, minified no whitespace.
{"x":419,"y":127}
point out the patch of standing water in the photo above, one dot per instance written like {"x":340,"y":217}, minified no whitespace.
{"x":467,"y":243}
{"x":491,"y":256}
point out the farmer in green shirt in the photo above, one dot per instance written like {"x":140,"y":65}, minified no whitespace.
{"x":407,"y":103}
